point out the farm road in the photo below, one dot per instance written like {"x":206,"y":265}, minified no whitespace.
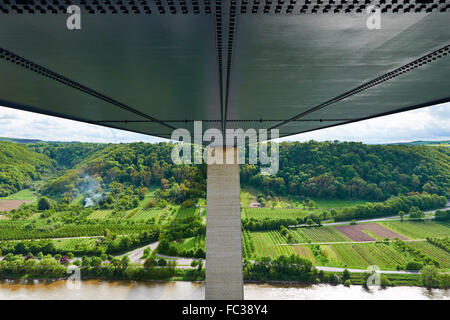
{"x":135,"y":255}
{"x":341,"y":242}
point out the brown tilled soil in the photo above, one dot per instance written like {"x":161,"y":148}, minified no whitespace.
{"x":356,"y":233}
{"x":6,"y":205}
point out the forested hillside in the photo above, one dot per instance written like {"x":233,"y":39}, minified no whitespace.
{"x":111,"y":170}
{"x":67,"y":155}
{"x":343,"y":170}
{"x":354,"y":170}
{"x":19,"y":167}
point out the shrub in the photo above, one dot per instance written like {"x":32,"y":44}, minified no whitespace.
{"x":334,"y":279}
{"x":162,"y":262}
{"x":414,"y":265}
{"x":384,"y":281}
{"x":43,"y":204}
{"x":430,"y":276}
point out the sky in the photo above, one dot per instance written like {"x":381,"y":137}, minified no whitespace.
{"x":430,"y":123}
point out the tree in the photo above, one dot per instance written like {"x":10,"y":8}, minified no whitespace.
{"x":115,"y":262}
{"x":290,"y":238}
{"x":96,"y":261}
{"x":444,"y":280}
{"x":162,"y":262}
{"x":147,"y":252}
{"x":334,"y":279}
{"x":86,"y":261}
{"x":43,"y":204}
{"x":64,"y":260}
{"x":384,"y":281}
{"x":125,"y":262}
{"x":150,"y":262}
{"x":163,"y":203}
{"x":200,"y":265}
{"x":430,"y":276}
{"x":414,"y":265}
{"x":401,"y":214}
{"x":416,"y":213}
{"x":345,"y":275}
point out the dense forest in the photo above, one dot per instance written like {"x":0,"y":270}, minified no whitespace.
{"x":114,"y":175}
{"x":354,"y":170}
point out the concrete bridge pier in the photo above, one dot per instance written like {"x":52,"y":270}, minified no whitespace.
{"x":224,"y":274}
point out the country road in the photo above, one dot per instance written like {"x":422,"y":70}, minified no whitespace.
{"x":340,"y":242}
{"x":136,"y":254}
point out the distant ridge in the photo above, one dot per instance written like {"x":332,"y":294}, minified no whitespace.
{"x":25,"y":141}
{"x":444,"y":143}
{"x":18,"y":140}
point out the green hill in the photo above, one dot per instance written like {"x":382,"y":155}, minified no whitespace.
{"x":19,"y":166}
{"x":333,"y":170}
{"x":445,"y":143}
{"x":354,"y":170}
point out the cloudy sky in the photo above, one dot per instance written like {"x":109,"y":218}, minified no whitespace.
{"x":431,"y":123}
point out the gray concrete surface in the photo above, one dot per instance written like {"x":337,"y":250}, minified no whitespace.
{"x":224,"y":275}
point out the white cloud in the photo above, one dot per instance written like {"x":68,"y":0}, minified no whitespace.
{"x":28,"y":125}
{"x":431,"y":123}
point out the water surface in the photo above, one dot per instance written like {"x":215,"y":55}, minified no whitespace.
{"x":132,"y":290}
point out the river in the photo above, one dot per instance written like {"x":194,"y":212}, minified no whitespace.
{"x":131,"y":290}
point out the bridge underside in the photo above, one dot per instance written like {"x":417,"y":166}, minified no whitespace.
{"x":151,"y":66}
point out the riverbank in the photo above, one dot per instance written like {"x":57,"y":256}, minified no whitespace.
{"x":184,"y":290}
{"x":411,"y":280}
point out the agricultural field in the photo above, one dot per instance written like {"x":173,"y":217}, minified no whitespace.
{"x":73,"y":244}
{"x":441,"y":256}
{"x":419,"y":229}
{"x":249,"y":196}
{"x":15,"y":200}
{"x":190,"y":243}
{"x":25,"y":194}
{"x":261,"y":213}
{"x":337,"y":203}
{"x":100,"y":214}
{"x":267,"y":244}
{"x":317,"y":246}
{"x":320,"y":234}
{"x":363,"y":232}
{"x":183,"y":213}
{"x":362,"y":255}
{"x":146,"y":214}
{"x":17,"y":230}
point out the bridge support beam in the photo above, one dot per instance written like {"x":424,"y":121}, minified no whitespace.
{"x":224,"y":274}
